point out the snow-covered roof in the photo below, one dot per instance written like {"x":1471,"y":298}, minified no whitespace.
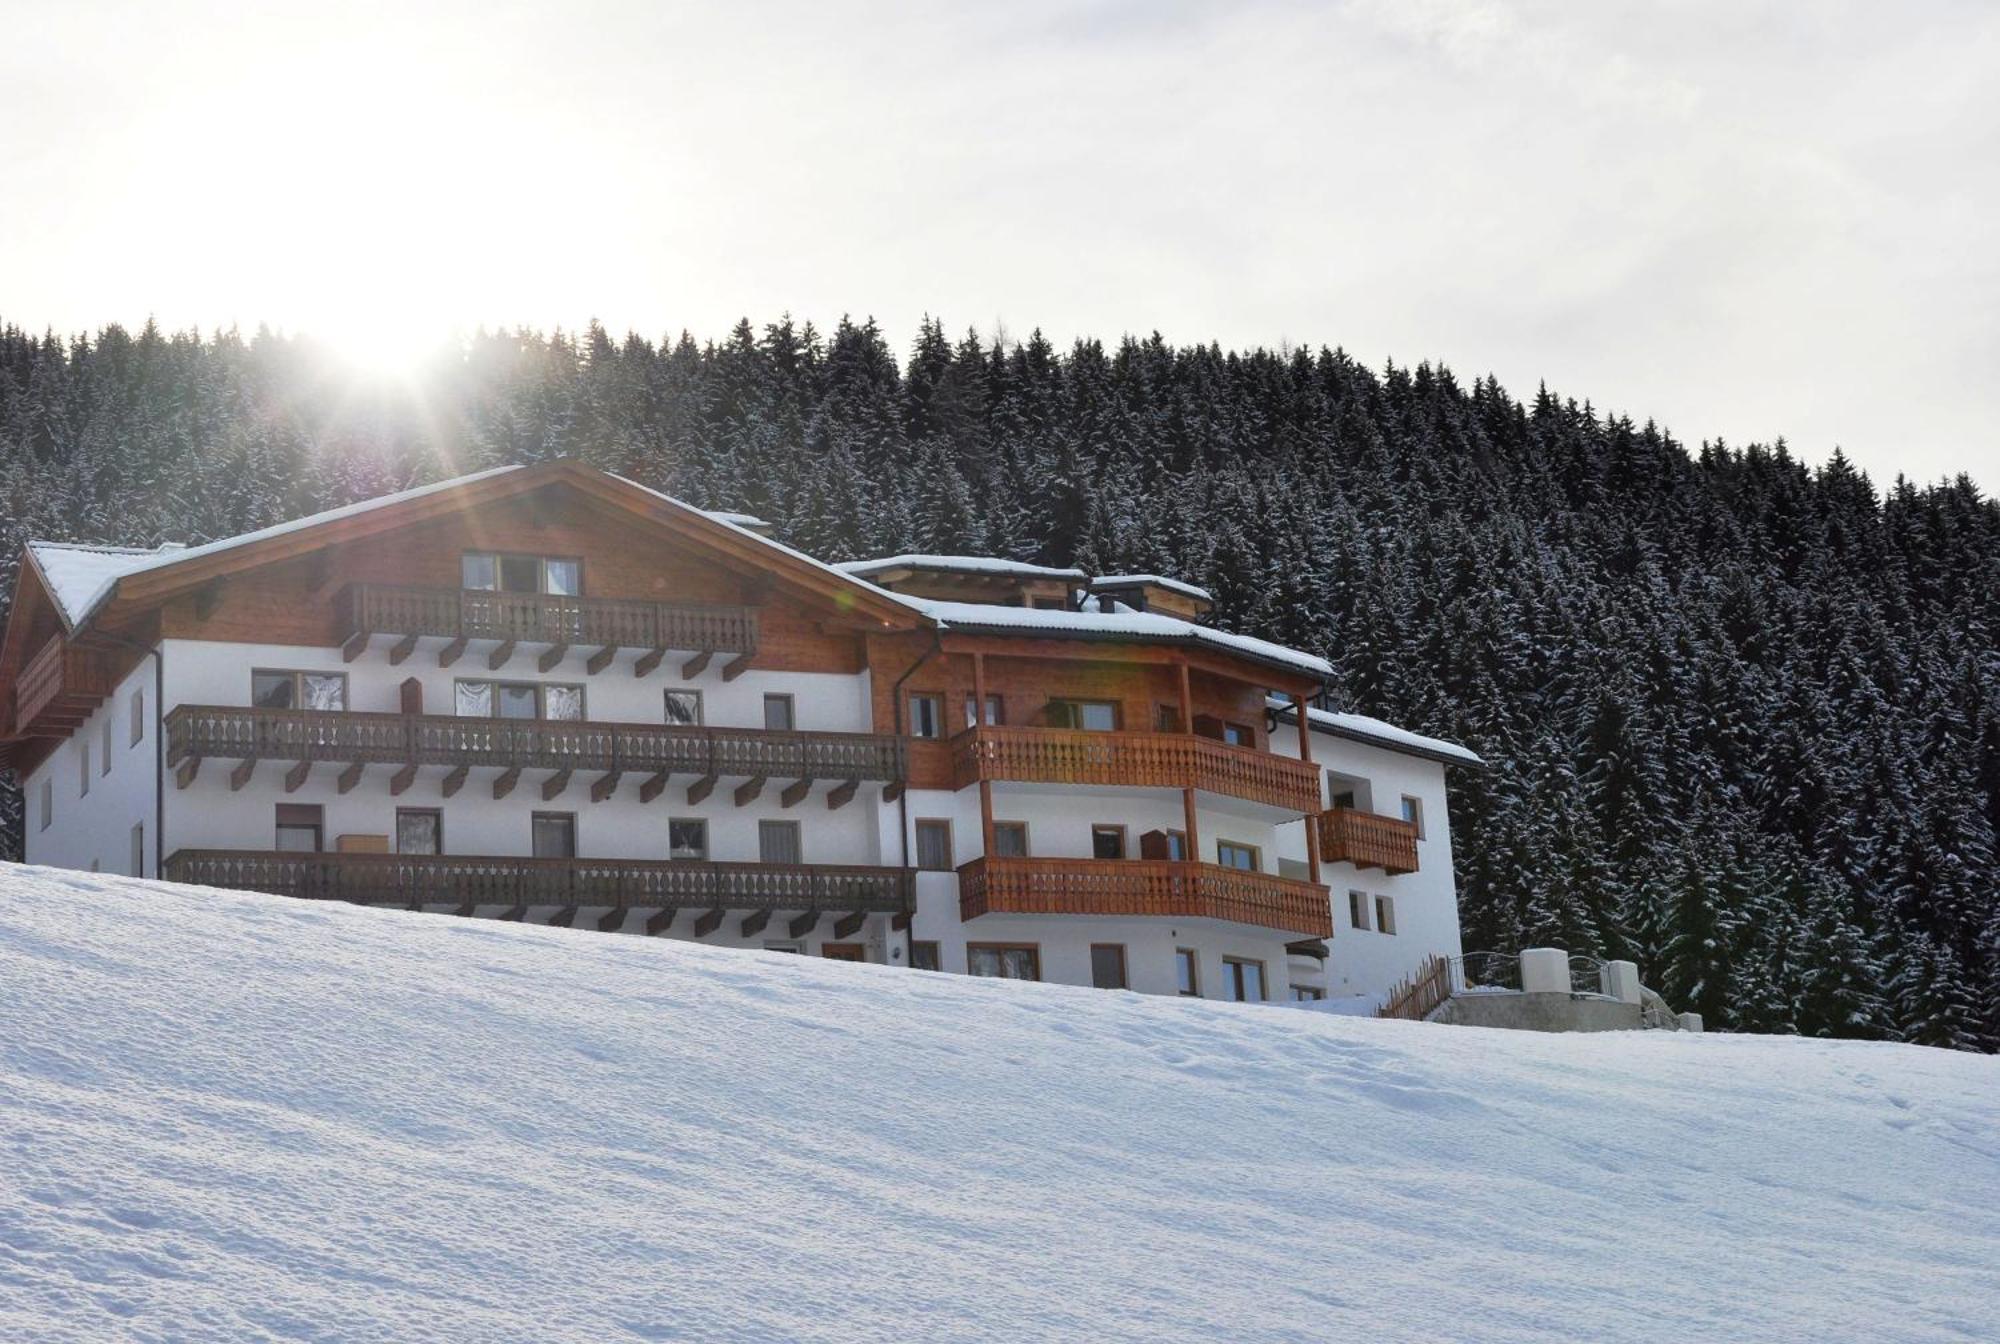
{"x":90,"y":571}
{"x":1155,"y":580}
{"x":961,"y":564}
{"x":745,"y":520}
{"x":1375,"y":732}
{"x":1139,"y":626}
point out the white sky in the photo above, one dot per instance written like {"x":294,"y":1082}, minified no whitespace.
{"x":1744,"y":219}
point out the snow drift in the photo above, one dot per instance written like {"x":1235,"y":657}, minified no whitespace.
{"x":238,"y":1117}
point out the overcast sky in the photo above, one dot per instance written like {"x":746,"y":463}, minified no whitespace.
{"x":1742,"y":219}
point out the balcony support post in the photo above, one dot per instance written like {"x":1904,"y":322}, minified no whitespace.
{"x":1193,"y":854}
{"x":985,"y":784}
{"x":1306,"y":755}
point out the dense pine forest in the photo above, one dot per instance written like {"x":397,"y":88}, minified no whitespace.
{"x":1743,"y":713}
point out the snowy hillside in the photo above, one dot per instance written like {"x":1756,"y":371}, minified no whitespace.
{"x":238,"y":1117}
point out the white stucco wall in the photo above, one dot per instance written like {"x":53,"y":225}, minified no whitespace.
{"x":97,"y":828}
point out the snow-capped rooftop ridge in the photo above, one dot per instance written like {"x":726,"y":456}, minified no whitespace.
{"x":466,"y":1129}
{"x":960,"y":564}
{"x":1180,"y":586}
{"x":1140,"y":626}
{"x":1378,"y":732}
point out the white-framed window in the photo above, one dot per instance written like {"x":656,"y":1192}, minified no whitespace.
{"x":554,"y":701}
{"x":1235,"y":854}
{"x":779,"y":713}
{"x":553,"y":834}
{"x":1187,"y":967}
{"x":1010,"y":839}
{"x":1107,"y":965}
{"x":138,"y":717}
{"x":1357,"y":909}
{"x":1091,"y":716}
{"x":995,"y":711}
{"x":926,"y":714}
{"x":1385,"y":914}
{"x":687,"y":838}
{"x":1243,"y":979}
{"x":934,"y":845}
{"x":502,"y":572}
{"x":683,"y":707}
{"x":778,"y":842}
{"x":1307,"y":994}
{"x":1413,"y":812}
{"x":1004,"y":961}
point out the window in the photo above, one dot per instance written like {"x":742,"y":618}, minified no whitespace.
{"x":1010,"y":839}
{"x":1231,"y":854}
{"x":104,"y":746}
{"x":48,"y":802}
{"x":1050,"y":604}
{"x":778,"y":842}
{"x":301,"y":827}
{"x":554,"y":835}
{"x":778,"y":713}
{"x":1357,"y":909}
{"x":684,"y":707}
{"x":83,"y":767}
{"x":994,"y":711}
{"x":1187,"y":972}
{"x":1413,"y":812}
{"x":1004,"y":961}
{"x":1107,"y":842}
{"x":1343,"y":799}
{"x":139,"y":849}
{"x":1243,"y":979}
{"x":518,"y":700}
{"x":419,"y":830}
{"x":1107,"y":965}
{"x":1093,"y":716}
{"x":1167,"y":846}
{"x":1307,"y":994}
{"x":1385,"y":914}
{"x":926,"y":715}
{"x":488,"y":572}
{"x":1167,"y":719}
{"x":138,"y":717}
{"x":298,"y":690}
{"x":934,"y":846}
{"x":1239,"y":735}
{"x":687,"y":838}
{"x":923,"y":955}
{"x":795,"y":949}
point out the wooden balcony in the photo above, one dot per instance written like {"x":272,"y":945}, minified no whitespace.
{"x":1143,"y":760}
{"x":1143,"y":887}
{"x":58,"y":689}
{"x":664,"y":886}
{"x":552,"y":623}
{"x":1367,"y":840}
{"x":654,"y":753}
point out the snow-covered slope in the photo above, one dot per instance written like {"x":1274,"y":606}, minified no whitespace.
{"x":238,"y":1117}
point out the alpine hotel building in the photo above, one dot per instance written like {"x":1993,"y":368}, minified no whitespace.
{"x":548,"y":694}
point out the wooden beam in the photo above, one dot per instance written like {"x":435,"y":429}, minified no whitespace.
{"x":518,"y":913}
{"x":737,"y":666}
{"x":466,"y":910}
{"x":553,"y":786}
{"x":611,"y":919}
{"x":660,"y":921}
{"x":402,"y":780}
{"x":648,"y":661}
{"x":185,"y":772}
{"x":901,"y":921}
{"x":754,"y":924}
{"x":1306,"y":754}
{"x":500,"y":656}
{"x":350,"y":777}
{"x":986,"y":841}
{"x":747,"y":791}
{"x":402,"y":649}
{"x":708,"y":923}
{"x":696,"y":665}
{"x":296,"y":776}
{"x":850,"y":925}
{"x":451,"y":652}
{"x":454,"y":781}
{"x":504,"y":782}
{"x":241,"y":774}
{"x":552,"y":655}
{"x":892,"y":791}
{"x":563,"y":918}
{"x":604,"y":786}
{"x":803,"y":924}
{"x":795,"y":793}
{"x":839,"y":796}
{"x":356,"y":645}
{"x":601,"y":659}
{"x":701,"y":788}
{"x":655,"y":786}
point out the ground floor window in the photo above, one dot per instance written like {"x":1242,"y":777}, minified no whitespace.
{"x":139,"y":850}
{"x":555,"y":835}
{"x":924,"y":955}
{"x":1004,"y":961}
{"x":1107,"y":965}
{"x":419,"y":830}
{"x":844,"y":951}
{"x":796,"y":949}
{"x":1189,"y":972}
{"x":301,"y":827}
{"x":1385,"y":914}
{"x":1357,"y":909}
{"x":1243,"y":979}
{"x":1307,"y":994}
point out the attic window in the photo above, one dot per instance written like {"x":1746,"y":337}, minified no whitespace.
{"x":491,"y":572}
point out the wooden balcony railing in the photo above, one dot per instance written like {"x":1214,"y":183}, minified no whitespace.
{"x":603,"y":623}
{"x":1145,"y":760}
{"x":58,"y":688}
{"x":199,"y":732}
{"x":623,"y":884}
{"x":1367,"y":840}
{"x":1145,"y":887}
